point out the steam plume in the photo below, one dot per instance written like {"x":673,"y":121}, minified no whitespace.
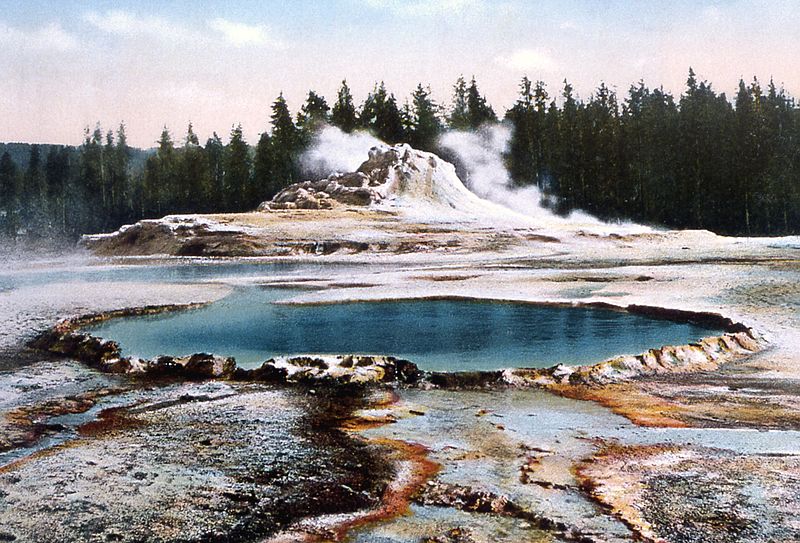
{"x":481,"y":155}
{"x":336,"y":151}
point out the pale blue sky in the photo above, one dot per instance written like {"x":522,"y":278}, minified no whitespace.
{"x":68,"y":63}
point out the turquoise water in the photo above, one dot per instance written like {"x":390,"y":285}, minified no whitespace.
{"x":440,"y":335}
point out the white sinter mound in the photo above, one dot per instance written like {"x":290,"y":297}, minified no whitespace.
{"x":416,"y":183}
{"x":423,"y":185}
{"x":425,"y":188}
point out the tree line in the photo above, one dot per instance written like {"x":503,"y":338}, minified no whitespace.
{"x":698,"y":161}
{"x":96,"y":187}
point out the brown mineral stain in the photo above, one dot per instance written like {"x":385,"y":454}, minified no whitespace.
{"x":26,"y":424}
{"x":110,"y":420}
{"x":415,"y":470}
{"x":627,"y":400}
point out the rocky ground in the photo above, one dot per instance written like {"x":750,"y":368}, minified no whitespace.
{"x":192,"y":462}
{"x":699,"y":453}
{"x":691,"y":493}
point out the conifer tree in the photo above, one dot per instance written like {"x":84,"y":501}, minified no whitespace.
{"x":87,"y":200}
{"x":480,"y":112}
{"x":286,"y":143}
{"x":57,"y":177}
{"x":313,"y":113}
{"x":122,"y":191}
{"x":237,"y":170}
{"x":521,"y":157}
{"x":381,"y":116}
{"x":459,"y":115}
{"x":265,"y":181}
{"x":425,"y":123}
{"x":215,"y":158}
{"x":343,"y":114}
{"x":161,"y":191}
{"x":195,"y":180}
{"x":570,"y":181}
{"x":108,"y":176}
{"x":32,"y":212}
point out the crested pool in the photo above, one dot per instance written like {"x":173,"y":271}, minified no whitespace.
{"x":438,"y":335}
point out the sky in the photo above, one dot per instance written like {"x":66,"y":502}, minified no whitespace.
{"x":68,"y":64}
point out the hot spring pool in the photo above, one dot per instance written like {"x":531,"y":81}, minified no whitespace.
{"x":438,"y":335}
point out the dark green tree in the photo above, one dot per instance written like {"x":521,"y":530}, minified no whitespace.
{"x":343,"y":114}
{"x":459,"y":114}
{"x":237,"y":170}
{"x":57,"y":179}
{"x":215,"y":158}
{"x":314,"y":113}
{"x":33,"y":212}
{"x":194,"y":176}
{"x":426,"y":126}
{"x":286,"y":145}
{"x":123,"y":192}
{"x":87,"y":200}
{"x":480,"y":112}
{"x":381,"y":116}
{"x":265,"y":181}
{"x":160,"y":178}
{"x":570,"y":184}
{"x":530,"y":153}
{"x":705,"y":123}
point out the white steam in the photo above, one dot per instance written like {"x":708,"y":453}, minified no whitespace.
{"x":335,"y":151}
{"x":481,"y":154}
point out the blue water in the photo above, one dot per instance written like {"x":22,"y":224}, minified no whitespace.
{"x":442,"y":335}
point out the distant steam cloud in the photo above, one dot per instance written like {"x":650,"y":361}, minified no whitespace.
{"x":481,"y":154}
{"x":336,"y":151}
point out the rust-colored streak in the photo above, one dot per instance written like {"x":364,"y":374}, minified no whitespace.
{"x":397,"y":496}
{"x":627,"y":400}
{"x":27,"y":424}
{"x":110,"y":420}
{"x":416,"y":468}
{"x":363,"y":421}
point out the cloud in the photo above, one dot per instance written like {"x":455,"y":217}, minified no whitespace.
{"x":115,"y":22}
{"x":125,"y":23}
{"x":50,"y":37}
{"x":241,"y":34}
{"x":427,"y":8}
{"x":528,"y":59}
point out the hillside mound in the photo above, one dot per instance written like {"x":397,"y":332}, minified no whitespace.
{"x":397,"y":177}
